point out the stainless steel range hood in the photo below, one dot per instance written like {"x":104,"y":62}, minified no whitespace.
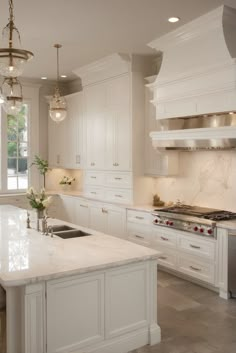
{"x":205,"y":132}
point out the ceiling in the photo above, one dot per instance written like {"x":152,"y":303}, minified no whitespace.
{"x":91,"y":29}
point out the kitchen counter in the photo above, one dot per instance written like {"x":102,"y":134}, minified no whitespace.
{"x":95,"y":293}
{"x":27,"y":256}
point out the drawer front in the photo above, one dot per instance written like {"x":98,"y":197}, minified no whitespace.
{"x":197,"y":247}
{"x":118,"y":195}
{"x":94,"y":178}
{"x":168,"y":258}
{"x":196,"y":267}
{"x":139,"y":217}
{"x":94,"y":193}
{"x":138,"y":233}
{"x":119,"y":180}
{"x":162,"y":237}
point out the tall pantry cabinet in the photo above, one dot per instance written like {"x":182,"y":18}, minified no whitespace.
{"x":114,"y":109}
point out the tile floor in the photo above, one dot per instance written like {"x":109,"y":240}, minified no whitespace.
{"x":193,"y":319}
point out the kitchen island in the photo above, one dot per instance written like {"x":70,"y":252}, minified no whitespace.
{"x":93,"y":294}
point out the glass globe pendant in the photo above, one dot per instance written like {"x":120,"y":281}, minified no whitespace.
{"x":12,"y":57}
{"x":11,"y":91}
{"x":57,"y":106}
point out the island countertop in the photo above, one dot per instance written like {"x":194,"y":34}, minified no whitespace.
{"x":27,"y":256}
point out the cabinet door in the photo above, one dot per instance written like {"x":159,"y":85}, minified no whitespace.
{"x":98,"y":218}
{"x":55,"y":143}
{"x":118,"y":143}
{"x":116,"y":222}
{"x":67,"y":211}
{"x":73,"y":132}
{"x":95,"y":98}
{"x":82,"y":213}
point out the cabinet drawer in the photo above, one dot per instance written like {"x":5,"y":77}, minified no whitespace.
{"x":162,"y":237}
{"x":118,"y":195}
{"x":138,"y":217}
{"x":168,"y":258}
{"x":120,"y":180}
{"x":196,"y":267}
{"x":198,"y":247}
{"x":94,"y":193}
{"x":139,"y":234}
{"x":94,"y":178}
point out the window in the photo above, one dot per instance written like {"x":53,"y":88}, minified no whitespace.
{"x":17,"y":150}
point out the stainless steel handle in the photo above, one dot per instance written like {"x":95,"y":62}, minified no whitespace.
{"x":115,"y":164}
{"x":138,"y":236}
{"x":104,"y":210}
{"x":93,"y":177}
{"x":118,"y":178}
{"x":195,"y":246}
{"x":118,"y":196}
{"x":138,"y":217}
{"x":84,"y":206}
{"x":195,"y":268}
{"x":162,"y":257}
{"x":163,"y":238}
{"x":77,"y":159}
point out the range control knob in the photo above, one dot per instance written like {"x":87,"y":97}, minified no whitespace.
{"x":155,"y":220}
{"x":210,"y":231}
{"x":171,"y":223}
{"x":195,"y":228}
{"x":202,"y":230}
{"x":167,"y":223}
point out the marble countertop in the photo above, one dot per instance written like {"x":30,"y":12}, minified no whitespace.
{"x":27,"y":256}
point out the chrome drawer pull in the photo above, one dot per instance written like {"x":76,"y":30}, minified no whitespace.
{"x":77,"y":159}
{"x":118,"y":195}
{"x":195,"y":247}
{"x":93,"y":177}
{"x":195,"y":268}
{"x":138,"y":236}
{"x":93,"y":192}
{"x":138,"y":217}
{"x":84,"y":206}
{"x":118,"y":178}
{"x":163,"y":238}
{"x":162,"y":257}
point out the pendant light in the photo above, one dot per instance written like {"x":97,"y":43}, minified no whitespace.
{"x":58,"y":108}
{"x":12,"y":57}
{"x":11,"y":95}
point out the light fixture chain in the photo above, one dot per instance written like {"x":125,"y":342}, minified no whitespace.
{"x":57,"y":64}
{"x":11,"y":18}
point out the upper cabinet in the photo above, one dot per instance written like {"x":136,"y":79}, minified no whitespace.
{"x":66,"y":138}
{"x":108,"y":125}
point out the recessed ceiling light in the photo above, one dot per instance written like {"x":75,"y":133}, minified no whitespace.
{"x":173,"y":19}
{"x":44,"y":78}
{"x":63,"y":76}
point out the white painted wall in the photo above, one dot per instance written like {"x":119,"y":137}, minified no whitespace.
{"x":205,"y":179}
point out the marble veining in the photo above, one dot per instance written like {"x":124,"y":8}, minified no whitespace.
{"x":205,"y":179}
{"x":27,"y":256}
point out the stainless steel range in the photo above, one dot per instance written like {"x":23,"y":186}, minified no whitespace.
{"x":194,"y":219}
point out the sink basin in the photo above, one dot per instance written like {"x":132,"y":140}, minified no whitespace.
{"x":71,"y":233}
{"x":60,"y":228}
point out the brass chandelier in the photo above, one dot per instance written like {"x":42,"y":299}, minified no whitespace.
{"x":58,"y":107}
{"x":12,"y":61}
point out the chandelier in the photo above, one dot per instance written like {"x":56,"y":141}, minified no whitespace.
{"x":57,"y":108}
{"x":12,"y":61}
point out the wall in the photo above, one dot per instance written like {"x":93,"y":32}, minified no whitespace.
{"x":206,"y":179}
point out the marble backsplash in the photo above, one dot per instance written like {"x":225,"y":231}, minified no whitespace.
{"x":205,"y":179}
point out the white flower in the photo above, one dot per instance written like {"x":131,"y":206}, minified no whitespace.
{"x":31,"y":191}
{"x":47,"y":202}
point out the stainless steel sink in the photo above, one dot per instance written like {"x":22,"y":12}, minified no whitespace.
{"x":72,"y":233}
{"x":60,"y":228}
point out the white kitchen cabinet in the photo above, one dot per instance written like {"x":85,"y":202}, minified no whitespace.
{"x":67,"y":210}
{"x":82,"y":213}
{"x":118,"y":128}
{"x":66,"y":137}
{"x":95,"y":103}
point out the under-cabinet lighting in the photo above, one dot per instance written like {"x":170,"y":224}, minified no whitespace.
{"x":44,"y":78}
